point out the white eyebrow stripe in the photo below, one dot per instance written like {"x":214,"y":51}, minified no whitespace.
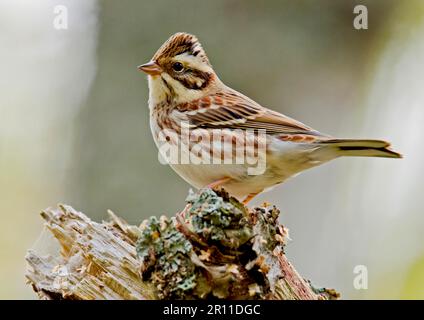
{"x":193,"y":62}
{"x":183,"y":55}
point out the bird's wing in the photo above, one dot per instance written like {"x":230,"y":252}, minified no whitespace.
{"x":230,"y":109}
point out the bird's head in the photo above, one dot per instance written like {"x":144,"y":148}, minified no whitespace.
{"x":179,"y":71}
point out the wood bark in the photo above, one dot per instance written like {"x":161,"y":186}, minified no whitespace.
{"x":214,"y":248}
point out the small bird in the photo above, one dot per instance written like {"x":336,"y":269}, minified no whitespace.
{"x":185,"y":91}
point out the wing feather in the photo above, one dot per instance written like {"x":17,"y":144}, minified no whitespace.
{"x":230,"y":109}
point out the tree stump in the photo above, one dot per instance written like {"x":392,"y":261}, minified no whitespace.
{"x":215,"y":248}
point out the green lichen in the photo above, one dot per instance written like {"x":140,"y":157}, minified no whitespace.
{"x":218,"y":218}
{"x":216,"y":248}
{"x":165,"y":257}
{"x":270,"y":236}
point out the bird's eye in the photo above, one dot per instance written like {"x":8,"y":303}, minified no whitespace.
{"x":178,"y":66}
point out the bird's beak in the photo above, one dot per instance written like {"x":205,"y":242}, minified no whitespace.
{"x":151,"y":68}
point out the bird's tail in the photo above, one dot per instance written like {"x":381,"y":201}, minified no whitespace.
{"x":361,"y":148}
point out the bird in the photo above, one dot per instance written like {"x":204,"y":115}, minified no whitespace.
{"x":186,"y":95}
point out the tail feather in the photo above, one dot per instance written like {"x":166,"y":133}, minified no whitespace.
{"x":362,"y":148}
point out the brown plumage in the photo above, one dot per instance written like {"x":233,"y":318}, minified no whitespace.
{"x":185,"y":89}
{"x":180,"y":43}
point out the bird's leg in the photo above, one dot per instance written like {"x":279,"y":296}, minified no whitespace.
{"x":217,"y":183}
{"x":249,"y":197}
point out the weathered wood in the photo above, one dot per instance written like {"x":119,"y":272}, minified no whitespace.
{"x":214,"y":248}
{"x":96,"y":261}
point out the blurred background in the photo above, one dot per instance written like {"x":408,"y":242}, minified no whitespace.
{"x":74,"y":123}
